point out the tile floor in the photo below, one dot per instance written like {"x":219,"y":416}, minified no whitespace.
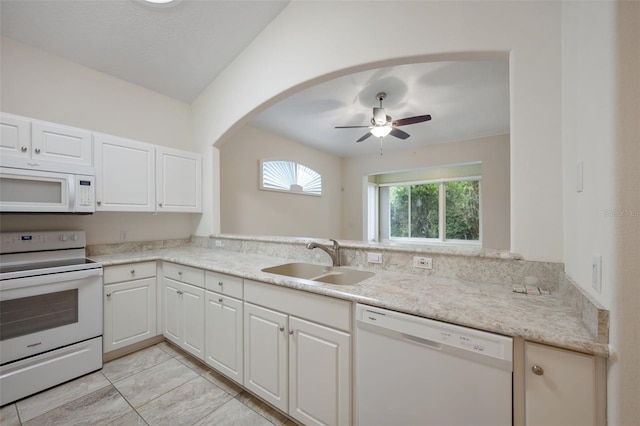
{"x":159,"y":385}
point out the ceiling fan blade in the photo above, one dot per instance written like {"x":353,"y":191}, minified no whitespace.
{"x":411,"y":120}
{"x":364,"y":137}
{"x":399,"y":133}
{"x":352,"y":127}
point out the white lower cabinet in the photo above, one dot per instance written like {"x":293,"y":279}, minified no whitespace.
{"x":560,"y":387}
{"x":265,"y":358}
{"x":224,"y":331}
{"x":129,"y":304}
{"x":298,"y":353}
{"x":319,"y":374}
{"x":183,"y":307}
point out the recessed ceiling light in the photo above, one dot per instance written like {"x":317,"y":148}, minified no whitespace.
{"x":158,"y":3}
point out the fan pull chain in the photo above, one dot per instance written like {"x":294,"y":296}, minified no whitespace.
{"x":380,"y":147}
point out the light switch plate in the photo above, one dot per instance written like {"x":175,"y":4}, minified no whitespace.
{"x":596,"y":272}
{"x":579,"y":176}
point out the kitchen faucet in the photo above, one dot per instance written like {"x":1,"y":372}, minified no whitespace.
{"x":334,"y":251}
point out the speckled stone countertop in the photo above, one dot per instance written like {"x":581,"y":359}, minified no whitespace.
{"x":489,"y":307}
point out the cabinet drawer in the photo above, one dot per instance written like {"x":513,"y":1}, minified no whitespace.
{"x":184,"y":274}
{"x":224,"y":284}
{"x":321,"y":309}
{"x":129,"y":272}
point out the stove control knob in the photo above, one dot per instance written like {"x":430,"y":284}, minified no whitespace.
{"x":63,"y":237}
{"x":74,"y":237}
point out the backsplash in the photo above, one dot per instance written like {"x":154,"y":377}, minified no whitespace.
{"x":594,"y":316}
{"x":101,"y":249}
{"x":473,"y":265}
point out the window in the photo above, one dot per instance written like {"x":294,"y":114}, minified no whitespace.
{"x":443,"y":211}
{"x":290,"y":177}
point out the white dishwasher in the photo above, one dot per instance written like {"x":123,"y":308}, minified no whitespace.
{"x":415,"y":371}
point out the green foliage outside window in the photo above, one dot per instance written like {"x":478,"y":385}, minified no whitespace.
{"x":415,"y":210}
{"x":462,"y":210}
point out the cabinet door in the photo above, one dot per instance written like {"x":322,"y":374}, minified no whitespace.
{"x":179,"y":181}
{"x":125,"y":174}
{"x":192,"y":327}
{"x":172,"y":310}
{"x":265,"y":352}
{"x":130,"y":313}
{"x":563,"y":390}
{"x":60,"y":144}
{"x":15,"y":136}
{"x":223,"y":335}
{"x":319,"y":374}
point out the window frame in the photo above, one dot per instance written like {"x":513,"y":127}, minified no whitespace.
{"x":287,"y":191}
{"x":442,"y":206}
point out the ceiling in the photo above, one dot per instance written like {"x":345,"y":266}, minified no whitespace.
{"x":175,"y":49}
{"x":465,"y":100}
{"x":178,"y":50}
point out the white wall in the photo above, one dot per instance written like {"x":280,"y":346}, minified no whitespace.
{"x":247,"y":210}
{"x":47,"y":87}
{"x":601,"y":100}
{"x":314,"y":41}
{"x":492,"y":151}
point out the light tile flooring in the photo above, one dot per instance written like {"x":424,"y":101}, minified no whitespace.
{"x":159,"y":385}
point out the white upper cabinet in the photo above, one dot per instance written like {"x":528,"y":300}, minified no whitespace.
{"x":179,"y":181}
{"x":125,"y":174}
{"x":131,"y":176}
{"x":35,"y":141}
{"x":61,"y":144}
{"x":15,"y":136}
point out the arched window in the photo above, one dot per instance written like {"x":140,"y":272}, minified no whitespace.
{"x":278,"y":175}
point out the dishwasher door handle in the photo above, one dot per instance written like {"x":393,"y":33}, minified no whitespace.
{"x":421,"y":341}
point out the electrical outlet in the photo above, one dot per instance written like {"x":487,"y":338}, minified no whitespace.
{"x":422,"y":262}
{"x":218,"y":243}
{"x":596,"y":272}
{"x":123,"y":236}
{"x":374,"y":257}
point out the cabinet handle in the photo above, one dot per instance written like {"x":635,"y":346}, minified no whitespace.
{"x":159,"y":204}
{"x":133,"y":272}
{"x":108,"y":294}
{"x":281,"y":328}
{"x":37,"y":150}
{"x":220,"y":283}
{"x":537,"y":370}
{"x":99,"y":203}
{"x":23,"y":149}
{"x":291,"y":332}
{"x":220,"y":299}
{"x":180,"y":291}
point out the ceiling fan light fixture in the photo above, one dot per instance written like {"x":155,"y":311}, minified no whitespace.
{"x":381,"y":131}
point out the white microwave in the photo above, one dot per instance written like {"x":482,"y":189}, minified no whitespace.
{"x":34,"y":191}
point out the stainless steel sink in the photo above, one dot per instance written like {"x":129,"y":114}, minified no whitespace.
{"x":325,"y":274}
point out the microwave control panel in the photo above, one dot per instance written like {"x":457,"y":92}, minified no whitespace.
{"x":85,"y":192}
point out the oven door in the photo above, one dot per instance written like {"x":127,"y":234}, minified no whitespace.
{"x":45,"y":312}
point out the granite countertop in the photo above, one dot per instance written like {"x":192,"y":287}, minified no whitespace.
{"x":495,"y":308}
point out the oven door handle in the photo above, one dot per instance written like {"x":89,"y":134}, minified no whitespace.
{"x":39,"y":280}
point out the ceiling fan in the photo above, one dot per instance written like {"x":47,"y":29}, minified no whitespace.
{"x":382,"y":124}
